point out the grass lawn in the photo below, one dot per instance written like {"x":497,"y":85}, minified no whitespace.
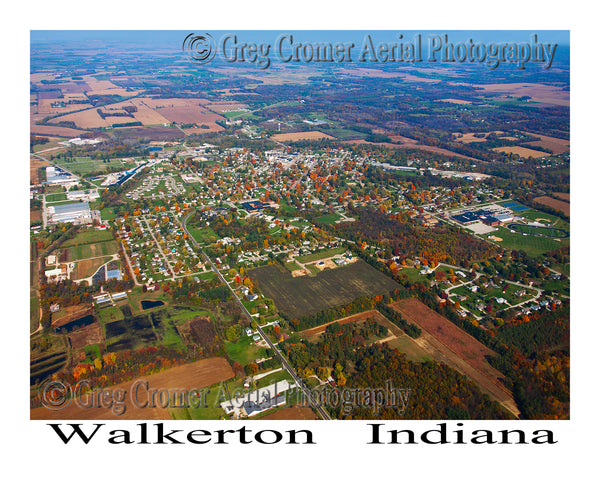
{"x":203,"y":234}
{"x":531,"y":244}
{"x":89,"y":236}
{"x":110,"y":314}
{"x":292,"y":266}
{"x":56,"y":197}
{"x":244,"y":351}
{"x":328,"y":219}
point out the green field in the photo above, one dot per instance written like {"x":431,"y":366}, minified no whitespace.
{"x":89,"y":236}
{"x":86,"y":166}
{"x":203,"y":234}
{"x":300,"y":296}
{"x":539,"y":231}
{"x":56,"y":197}
{"x":531,"y":244}
{"x":92,"y":250}
{"x":412,"y":351}
{"x":244,"y":351}
{"x":328,"y":219}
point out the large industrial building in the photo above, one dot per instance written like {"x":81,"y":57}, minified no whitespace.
{"x":78,"y":213}
{"x":58,"y":176}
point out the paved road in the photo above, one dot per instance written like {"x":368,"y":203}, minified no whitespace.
{"x":320,"y":410}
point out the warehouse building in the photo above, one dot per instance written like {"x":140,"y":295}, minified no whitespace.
{"x":78,"y":213}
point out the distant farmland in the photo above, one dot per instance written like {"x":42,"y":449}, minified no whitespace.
{"x":299,"y":296}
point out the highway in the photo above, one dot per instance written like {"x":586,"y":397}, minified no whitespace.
{"x":308,"y":394}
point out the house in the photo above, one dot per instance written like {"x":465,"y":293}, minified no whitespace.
{"x":248,"y":332}
{"x":256,"y":338}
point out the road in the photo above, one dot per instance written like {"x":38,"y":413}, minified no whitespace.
{"x":308,"y":394}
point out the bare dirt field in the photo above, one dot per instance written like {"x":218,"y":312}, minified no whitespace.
{"x":447,"y":343}
{"x":291,"y":413}
{"x":35,"y":215}
{"x":191,"y":376}
{"x":563,"y":196}
{"x":294,"y":137}
{"x":88,"y":335}
{"x":522,"y":152}
{"x":554,"y":203}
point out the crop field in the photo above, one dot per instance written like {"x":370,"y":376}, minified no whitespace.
{"x":89,"y":236}
{"x":555,"y":145}
{"x":522,"y":152}
{"x":538,"y":92}
{"x":300,"y":296}
{"x":54,"y":130}
{"x":554,"y":203}
{"x":89,"y":335}
{"x":192,"y":376}
{"x":460,"y":342}
{"x":92,"y":250}
{"x":447,"y":343}
{"x":294,"y":137}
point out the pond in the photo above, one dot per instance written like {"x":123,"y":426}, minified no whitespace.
{"x":148,"y":304}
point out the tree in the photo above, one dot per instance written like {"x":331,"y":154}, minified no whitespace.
{"x":251,"y":369}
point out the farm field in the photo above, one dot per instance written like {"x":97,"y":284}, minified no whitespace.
{"x":449,"y":344}
{"x":554,"y":203}
{"x":89,"y":236}
{"x":191,"y":376}
{"x":300,"y":296}
{"x":538,"y":92}
{"x":522,"y":152}
{"x":294,"y":137}
{"x":555,"y":145}
{"x":86,"y":268}
{"x":461,"y":343}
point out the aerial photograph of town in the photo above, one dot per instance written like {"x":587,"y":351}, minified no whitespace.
{"x":299,"y":225}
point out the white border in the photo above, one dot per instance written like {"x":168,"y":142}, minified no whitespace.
{"x":342,"y":450}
